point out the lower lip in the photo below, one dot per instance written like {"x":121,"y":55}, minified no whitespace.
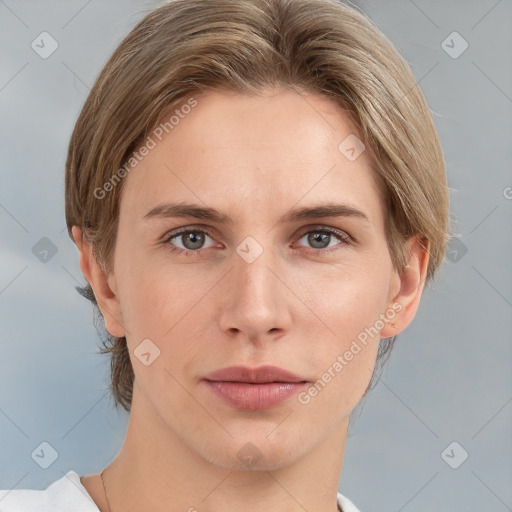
{"x":253,"y":397}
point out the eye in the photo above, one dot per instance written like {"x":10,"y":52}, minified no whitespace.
{"x":191,"y":240}
{"x":320,"y":239}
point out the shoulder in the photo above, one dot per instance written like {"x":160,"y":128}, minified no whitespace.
{"x":346,"y":505}
{"x":63,"y":495}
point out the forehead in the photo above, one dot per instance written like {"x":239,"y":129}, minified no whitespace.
{"x":237,"y":152}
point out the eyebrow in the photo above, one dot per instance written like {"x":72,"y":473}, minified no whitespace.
{"x":194,"y":211}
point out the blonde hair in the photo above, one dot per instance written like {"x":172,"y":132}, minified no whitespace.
{"x":189,"y":46}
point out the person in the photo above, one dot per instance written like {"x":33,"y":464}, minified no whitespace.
{"x":258,"y":196}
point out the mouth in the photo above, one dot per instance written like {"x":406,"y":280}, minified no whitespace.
{"x":254,"y":388}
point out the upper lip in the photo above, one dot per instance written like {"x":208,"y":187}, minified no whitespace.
{"x":260,"y":375}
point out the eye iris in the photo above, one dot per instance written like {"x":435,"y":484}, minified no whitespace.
{"x":319,"y":238}
{"x":196,"y":239}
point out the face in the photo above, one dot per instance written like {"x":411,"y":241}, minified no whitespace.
{"x":259,"y":284}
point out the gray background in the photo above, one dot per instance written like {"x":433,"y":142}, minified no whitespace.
{"x":449,"y":378}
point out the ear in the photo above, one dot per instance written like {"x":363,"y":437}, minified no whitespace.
{"x":411,"y":282}
{"x":103,"y":285}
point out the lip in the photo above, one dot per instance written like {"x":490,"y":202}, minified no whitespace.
{"x":261,"y":375}
{"x":254,"y":388}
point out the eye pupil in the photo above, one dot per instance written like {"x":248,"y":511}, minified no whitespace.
{"x":319,"y":238}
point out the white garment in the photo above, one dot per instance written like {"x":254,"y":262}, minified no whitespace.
{"x":69,"y":495}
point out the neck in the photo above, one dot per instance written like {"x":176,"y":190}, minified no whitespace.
{"x":155,"y":470}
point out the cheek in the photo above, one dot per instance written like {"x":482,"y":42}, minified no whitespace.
{"x":159,"y":306}
{"x":345,"y":352}
{"x":348,"y":301}
{"x":168,"y":306}
{"x":149,"y":291}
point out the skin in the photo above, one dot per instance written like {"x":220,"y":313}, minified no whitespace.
{"x":254,"y":158}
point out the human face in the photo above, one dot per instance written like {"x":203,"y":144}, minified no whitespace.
{"x":254,"y":291}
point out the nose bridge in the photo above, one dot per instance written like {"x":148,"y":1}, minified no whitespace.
{"x":253,"y":302}
{"x":254,"y":277}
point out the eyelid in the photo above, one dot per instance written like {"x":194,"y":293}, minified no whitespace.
{"x":342,"y":234}
{"x":187,"y":229}
{"x":305,"y":229}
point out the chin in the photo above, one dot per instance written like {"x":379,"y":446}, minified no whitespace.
{"x":251,"y":457}
{"x":249,"y":449}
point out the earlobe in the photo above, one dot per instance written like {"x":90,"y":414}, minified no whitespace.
{"x":411,"y":285}
{"x":103,"y":285}
{"x":111,"y":281}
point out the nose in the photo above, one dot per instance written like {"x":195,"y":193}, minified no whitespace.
{"x":254,"y":300}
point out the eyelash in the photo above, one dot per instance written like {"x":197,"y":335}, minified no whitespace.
{"x":343,"y":237}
